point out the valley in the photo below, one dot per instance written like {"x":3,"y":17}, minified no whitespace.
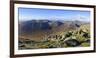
{"x":38,"y":34}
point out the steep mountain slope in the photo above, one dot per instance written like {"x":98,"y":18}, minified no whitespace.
{"x":38,"y":30}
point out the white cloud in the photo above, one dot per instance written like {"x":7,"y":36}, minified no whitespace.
{"x":80,"y":17}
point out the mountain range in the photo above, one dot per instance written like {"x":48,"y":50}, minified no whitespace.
{"x":38,"y":29}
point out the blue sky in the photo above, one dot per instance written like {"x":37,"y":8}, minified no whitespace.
{"x":52,"y":14}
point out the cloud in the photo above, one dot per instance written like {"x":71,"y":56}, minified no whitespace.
{"x":80,"y":18}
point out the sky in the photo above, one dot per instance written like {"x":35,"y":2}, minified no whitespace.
{"x":52,"y":14}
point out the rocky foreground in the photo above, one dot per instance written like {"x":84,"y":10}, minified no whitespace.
{"x":79,"y":37}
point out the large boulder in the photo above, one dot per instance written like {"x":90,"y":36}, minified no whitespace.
{"x":72,"y":42}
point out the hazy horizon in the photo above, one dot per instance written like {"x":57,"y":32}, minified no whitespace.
{"x":52,"y":14}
